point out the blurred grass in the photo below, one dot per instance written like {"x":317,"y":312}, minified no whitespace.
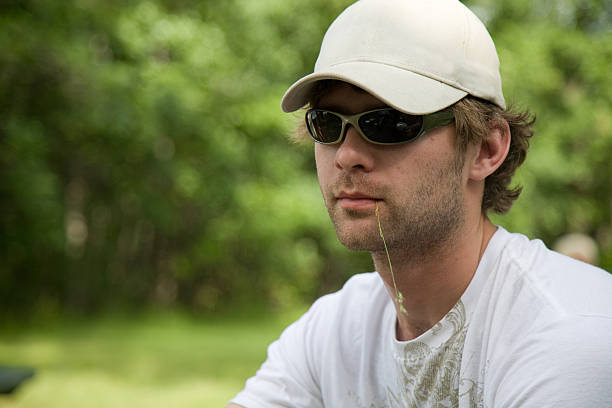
{"x":152,"y":360}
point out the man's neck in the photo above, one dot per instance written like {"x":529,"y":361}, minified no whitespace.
{"x":431,"y":287}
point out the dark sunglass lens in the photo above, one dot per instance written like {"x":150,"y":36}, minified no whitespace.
{"x":325,"y":126}
{"x":390,"y":126}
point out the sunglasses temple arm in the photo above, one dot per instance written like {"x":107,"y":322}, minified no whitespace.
{"x":437,"y":119}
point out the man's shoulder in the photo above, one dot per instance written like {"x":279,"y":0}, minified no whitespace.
{"x":543,"y":314}
{"x":354,"y":293}
{"x":361,"y":298}
{"x":529,"y":268}
{"x":536,"y":296}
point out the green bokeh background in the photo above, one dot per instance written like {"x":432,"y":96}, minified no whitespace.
{"x":145,"y":160}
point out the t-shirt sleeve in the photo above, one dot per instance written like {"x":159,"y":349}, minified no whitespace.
{"x":288,"y":376}
{"x":568,"y":364}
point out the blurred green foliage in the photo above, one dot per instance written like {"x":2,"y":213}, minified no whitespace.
{"x":156,"y":359}
{"x":144,"y":157}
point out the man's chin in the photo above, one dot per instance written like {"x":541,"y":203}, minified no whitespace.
{"x":363,"y":239}
{"x":356,"y":230}
{"x":356,"y":246}
{"x":369,"y":246}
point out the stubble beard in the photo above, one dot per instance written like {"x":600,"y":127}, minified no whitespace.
{"x":418,"y":223}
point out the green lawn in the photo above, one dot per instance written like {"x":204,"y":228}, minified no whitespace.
{"x":155,"y":360}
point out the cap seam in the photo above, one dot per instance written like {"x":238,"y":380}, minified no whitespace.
{"x":467,"y":33}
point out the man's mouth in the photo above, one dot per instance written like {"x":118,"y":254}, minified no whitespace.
{"x":356,"y":201}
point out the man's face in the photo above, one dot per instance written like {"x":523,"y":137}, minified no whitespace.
{"x":418,"y":186}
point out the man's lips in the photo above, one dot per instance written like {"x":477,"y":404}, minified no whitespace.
{"x":356,"y":201}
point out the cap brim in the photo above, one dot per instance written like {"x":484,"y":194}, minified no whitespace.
{"x":401,"y":89}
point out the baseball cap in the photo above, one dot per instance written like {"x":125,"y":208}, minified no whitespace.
{"x":417,"y":56}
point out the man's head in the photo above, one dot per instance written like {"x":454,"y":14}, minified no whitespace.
{"x":419,"y":58}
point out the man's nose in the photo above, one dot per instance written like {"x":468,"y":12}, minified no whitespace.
{"x":354,"y":152}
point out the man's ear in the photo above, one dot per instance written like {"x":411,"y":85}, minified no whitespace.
{"x":492,"y":151}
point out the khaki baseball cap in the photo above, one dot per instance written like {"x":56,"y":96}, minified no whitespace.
{"x":418,"y":56}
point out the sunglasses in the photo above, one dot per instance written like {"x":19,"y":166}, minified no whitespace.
{"x":384,"y":126}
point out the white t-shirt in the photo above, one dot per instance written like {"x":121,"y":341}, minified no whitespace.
{"x":533,"y":329}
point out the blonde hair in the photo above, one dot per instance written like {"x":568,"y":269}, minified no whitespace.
{"x":474,"y":119}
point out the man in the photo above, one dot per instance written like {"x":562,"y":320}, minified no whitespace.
{"x":414,"y":146}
